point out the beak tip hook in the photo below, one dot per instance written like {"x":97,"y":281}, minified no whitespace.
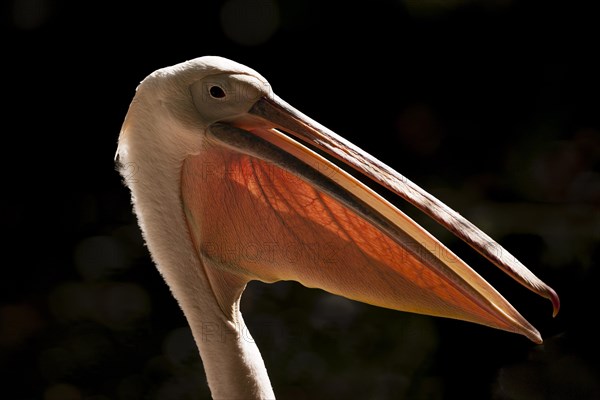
{"x":555,"y":301}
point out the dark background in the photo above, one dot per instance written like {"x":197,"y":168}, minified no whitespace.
{"x":492,"y":106}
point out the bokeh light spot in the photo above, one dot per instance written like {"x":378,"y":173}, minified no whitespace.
{"x":98,"y":257}
{"x":72,"y":301}
{"x":333,"y":311}
{"x":17,"y":323}
{"x":56,"y":363}
{"x":249,"y":22}
{"x":30,"y":14}
{"x":124,"y":304}
{"x":117,"y":305}
{"x":62,"y":391}
{"x":179,"y":346}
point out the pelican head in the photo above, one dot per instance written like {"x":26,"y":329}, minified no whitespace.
{"x":232,"y":184}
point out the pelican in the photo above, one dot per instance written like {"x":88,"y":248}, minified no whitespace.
{"x":233,"y":184}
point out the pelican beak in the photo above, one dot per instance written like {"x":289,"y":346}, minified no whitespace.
{"x":302,"y":146}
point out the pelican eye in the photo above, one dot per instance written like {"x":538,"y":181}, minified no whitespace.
{"x":216,"y":92}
